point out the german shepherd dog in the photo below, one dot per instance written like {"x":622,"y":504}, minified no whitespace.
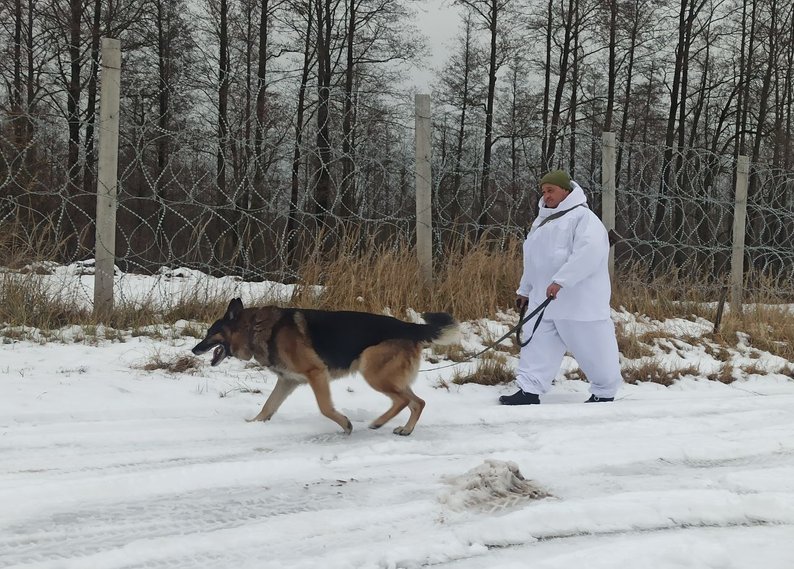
{"x":316,"y":346}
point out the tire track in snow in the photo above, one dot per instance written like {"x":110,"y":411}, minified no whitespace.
{"x":85,"y":532}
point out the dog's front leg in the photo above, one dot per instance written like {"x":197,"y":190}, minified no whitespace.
{"x":320,"y":384}
{"x":280,"y":392}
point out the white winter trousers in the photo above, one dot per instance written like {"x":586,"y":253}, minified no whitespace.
{"x":592,"y":344}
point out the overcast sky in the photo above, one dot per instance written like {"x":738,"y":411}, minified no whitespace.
{"x":439,"y":21}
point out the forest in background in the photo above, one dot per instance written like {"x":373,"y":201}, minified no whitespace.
{"x":254,"y":132}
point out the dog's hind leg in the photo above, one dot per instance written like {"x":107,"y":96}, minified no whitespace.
{"x":398,"y":404}
{"x":320,"y":381}
{"x":416,"y":405}
{"x":390,"y":367}
{"x":280,"y":392}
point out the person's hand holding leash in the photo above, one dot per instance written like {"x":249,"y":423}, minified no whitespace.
{"x":521,"y":302}
{"x":552,"y":291}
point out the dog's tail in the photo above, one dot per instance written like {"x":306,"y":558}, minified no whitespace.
{"x":444,"y":329}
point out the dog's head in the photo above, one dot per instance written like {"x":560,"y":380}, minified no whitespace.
{"x":225,"y":336}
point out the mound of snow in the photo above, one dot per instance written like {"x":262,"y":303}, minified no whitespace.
{"x":493,"y":485}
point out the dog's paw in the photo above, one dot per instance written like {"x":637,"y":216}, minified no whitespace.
{"x":402,"y":431}
{"x":258,"y":418}
{"x":349,"y":427}
{"x":374,"y":426}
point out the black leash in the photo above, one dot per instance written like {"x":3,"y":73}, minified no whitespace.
{"x":522,"y":321}
{"x":540,"y":310}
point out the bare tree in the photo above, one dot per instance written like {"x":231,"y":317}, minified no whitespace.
{"x":460,"y":87}
{"x":612,"y":5}
{"x":490,"y":13}
{"x":305,"y":15}
{"x":553,"y":125}
{"x":636,"y":20}
{"x":687,"y":13}
{"x":325,"y":17}
{"x":377,"y":32}
{"x":267,"y":11}
{"x":223,"y":93}
{"x":515,"y":122}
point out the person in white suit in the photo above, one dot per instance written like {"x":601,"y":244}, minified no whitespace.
{"x":565,"y":258}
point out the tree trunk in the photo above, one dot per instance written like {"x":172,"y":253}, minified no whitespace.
{"x":613,"y":16}
{"x":16,"y":92}
{"x":89,"y":179}
{"x":485,"y":181}
{"x":467,"y":56}
{"x":348,"y":198}
{"x":745,"y":79}
{"x":627,"y":93}
{"x":323,"y":184}
{"x":292,"y":219}
{"x":556,"y":113}
{"x":659,"y":231}
{"x":223,"y":98}
{"x":164,"y":55}
{"x":261,"y":100}
{"x":788,"y":152}
{"x":679,"y":173}
{"x":545,"y":166}
{"x":755,"y":219}
{"x":73,"y":94}
{"x":574,"y":92}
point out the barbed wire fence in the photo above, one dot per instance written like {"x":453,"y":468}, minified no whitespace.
{"x":277,"y":208}
{"x":674,"y":211}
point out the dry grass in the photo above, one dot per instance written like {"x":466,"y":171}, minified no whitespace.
{"x":25,"y":301}
{"x":240,"y":389}
{"x":478,"y":280}
{"x":655,"y":372}
{"x":754,"y":368}
{"x":28,"y":241}
{"x":180,"y":364}
{"x":726,"y":374}
{"x":576,"y":374}
{"x":492,"y":369}
{"x":716,"y":351}
{"x":768,"y":328}
{"x":631,"y":345}
{"x":673,"y":294}
{"x":195,"y":331}
{"x":472,"y":281}
{"x":199,"y":305}
{"x":454,"y":353}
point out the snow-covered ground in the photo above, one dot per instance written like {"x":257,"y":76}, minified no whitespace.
{"x":106,"y":465}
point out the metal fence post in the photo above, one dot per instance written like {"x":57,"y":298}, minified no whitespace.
{"x":107,"y":177}
{"x":608,"y":191}
{"x":424,"y":229}
{"x":739,"y":222}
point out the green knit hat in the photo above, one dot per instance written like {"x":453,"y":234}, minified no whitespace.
{"x":558,"y":178}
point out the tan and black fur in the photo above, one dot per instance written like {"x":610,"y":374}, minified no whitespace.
{"x":316,"y":346}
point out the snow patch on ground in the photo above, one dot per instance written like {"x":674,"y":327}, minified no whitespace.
{"x":490,"y":487}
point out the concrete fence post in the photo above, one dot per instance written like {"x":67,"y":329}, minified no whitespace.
{"x":424,"y":211}
{"x":608,"y":190}
{"x":739,"y":223}
{"x":107,"y":177}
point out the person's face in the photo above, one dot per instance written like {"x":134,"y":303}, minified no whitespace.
{"x":553,"y":195}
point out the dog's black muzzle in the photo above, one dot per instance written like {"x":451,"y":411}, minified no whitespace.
{"x":221,"y":351}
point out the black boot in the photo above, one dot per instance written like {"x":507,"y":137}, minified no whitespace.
{"x":520,"y":398}
{"x":594,"y":399}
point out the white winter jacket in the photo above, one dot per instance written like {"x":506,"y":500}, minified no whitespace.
{"x":571,"y":251}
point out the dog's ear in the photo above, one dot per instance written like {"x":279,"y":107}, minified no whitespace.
{"x":235,"y":307}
